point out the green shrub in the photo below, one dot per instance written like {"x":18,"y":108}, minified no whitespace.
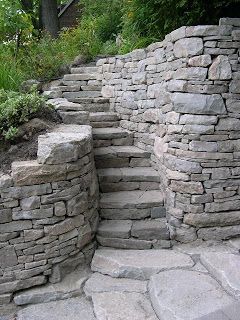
{"x":16,"y":109}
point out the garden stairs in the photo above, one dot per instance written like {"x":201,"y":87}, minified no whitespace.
{"x":131,"y":204}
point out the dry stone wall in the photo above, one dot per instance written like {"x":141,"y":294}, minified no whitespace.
{"x":48,"y":211}
{"x":181,"y":98}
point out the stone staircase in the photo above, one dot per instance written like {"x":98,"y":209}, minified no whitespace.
{"x":189,"y":282}
{"x":131,"y":204}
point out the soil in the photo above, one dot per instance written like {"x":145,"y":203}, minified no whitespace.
{"x":25,"y":145}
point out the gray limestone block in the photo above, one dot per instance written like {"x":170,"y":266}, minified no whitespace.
{"x":150,"y":230}
{"x":121,"y":243}
{"x":213,"y":220}
{"x":198,"y":103}
{"x":200,"y":61}
{"x":219,"y":233}
{"x":75,"y":117}
{"x":68,"y":143}
{"x":31,"y":172}
{"x":188,"y":47}
{"x":8,"y":257}
{"x":5,"y":215}
{"x":220,"y":69}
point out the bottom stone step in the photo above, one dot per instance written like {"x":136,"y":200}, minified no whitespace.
{"x":138,"y":264}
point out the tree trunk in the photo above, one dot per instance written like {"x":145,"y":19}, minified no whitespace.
{"x":49,"y":17}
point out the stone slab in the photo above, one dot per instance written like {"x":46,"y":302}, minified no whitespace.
{"x":102,"y":283}
{"x":122,"y":306}
{"x":119,"y":243}
{"x":225,"y":267}
{"x":131,"y":199}
{"x":115,"y":228}
{"x":186,"y":295}
{"x":74,"y":309}
{"x":70,"y":286}
{"x":137,"y":264}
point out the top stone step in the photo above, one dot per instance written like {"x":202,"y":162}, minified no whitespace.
{"x":80,"y":70}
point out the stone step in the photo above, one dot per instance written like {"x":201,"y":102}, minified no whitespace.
{"x":89,"y":100}
{"x":89,"y":87}
{"x":80,"y":77}
{"x":128,"y":234}
{"x":138,"y":264}
{"x":109,"y":133}
{"x":82,"y":94}
{"x":116,"y":175}
{"x":133,"y":213}
{"x":96,"y":107}
{"x":131,"y":199}
{"x":121,"y":156}
{"x":75,"y":117}
{"x":63,"y":104}
{"x":88,"y":70}
{"x":103,"y":116}
{"x":127,"y":178}
{"x":104,"y":124}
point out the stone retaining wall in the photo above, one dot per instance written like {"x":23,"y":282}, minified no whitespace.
{"x":48,"y":211}
{"x":181,"y":98}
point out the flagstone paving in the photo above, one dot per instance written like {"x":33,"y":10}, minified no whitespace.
{"x":198,"y":281}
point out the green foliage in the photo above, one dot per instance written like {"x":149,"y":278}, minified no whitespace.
{"x":14,"y":20}
{"x":16,"y":109}
{"x":155,"y":18}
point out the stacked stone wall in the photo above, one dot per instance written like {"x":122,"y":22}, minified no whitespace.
{"x":181,"y":98}
{"x":48,"y":211}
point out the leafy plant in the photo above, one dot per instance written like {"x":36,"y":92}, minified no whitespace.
{"x":16,"y":109}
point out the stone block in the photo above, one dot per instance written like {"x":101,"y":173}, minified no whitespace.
{"x":220,"y":69}
{"x":150,"y":230}
{"x":188,"y":47}
{"x":190,"y":187}
{"x":67,"y":144}
{"x":198,"y":103}
{"x":8,"y":257}
{"x":213,"y":219}
{"x":200,"y":61}
{"x":5,"y":215}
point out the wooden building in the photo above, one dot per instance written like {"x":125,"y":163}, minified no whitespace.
{"x":69,"y":13}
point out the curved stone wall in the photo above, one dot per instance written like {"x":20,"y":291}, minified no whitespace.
{"x":181,"y":98}
{"x":48,"y":211}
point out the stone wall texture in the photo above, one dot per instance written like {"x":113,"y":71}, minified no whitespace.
{"x":181,"y":98}
{"x":48,"y":211}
